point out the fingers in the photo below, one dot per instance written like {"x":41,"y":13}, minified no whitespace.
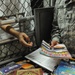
{"x":27,"y":44}
{"x":53,"y":43}
{"x":26,"y":37}
{"x":25,"y":40}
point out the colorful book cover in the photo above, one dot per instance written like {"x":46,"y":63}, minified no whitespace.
{"x":35,"y":71}
{"x":9,"y":68}
{"x":59,"y":51}
{"x":65,"y":68}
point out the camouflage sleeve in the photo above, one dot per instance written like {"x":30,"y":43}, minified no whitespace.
{"x":55,"y":34}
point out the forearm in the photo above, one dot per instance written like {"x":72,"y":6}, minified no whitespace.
{"x":55,"y":34}
{"x":11,"y":30}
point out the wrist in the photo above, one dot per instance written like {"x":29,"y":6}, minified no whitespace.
{"x":16,"y":33}
{"x":56,"y":39}
{"x":12,"y":31}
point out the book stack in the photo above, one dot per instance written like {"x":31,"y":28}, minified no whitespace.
{"x":20,"y":68}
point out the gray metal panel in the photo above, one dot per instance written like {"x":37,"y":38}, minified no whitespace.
{"x":43,"y":24}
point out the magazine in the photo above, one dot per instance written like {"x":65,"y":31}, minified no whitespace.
{"x":58,"y":51}
{"x":64,"y":68}
{"x":42,"y":60}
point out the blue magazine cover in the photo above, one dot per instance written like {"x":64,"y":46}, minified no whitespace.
{"x":64,"y":68}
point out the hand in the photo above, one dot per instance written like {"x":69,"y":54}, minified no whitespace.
{"x":24,"y":39}
{"x":53,"y":43}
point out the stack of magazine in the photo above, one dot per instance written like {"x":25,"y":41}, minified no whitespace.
{"x":58,"y":51}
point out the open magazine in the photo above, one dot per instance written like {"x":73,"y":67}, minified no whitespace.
{"x":58,"y":51}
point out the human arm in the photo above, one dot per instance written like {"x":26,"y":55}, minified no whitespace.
{"x":55,"y":34}
{"x":23,"y":38}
